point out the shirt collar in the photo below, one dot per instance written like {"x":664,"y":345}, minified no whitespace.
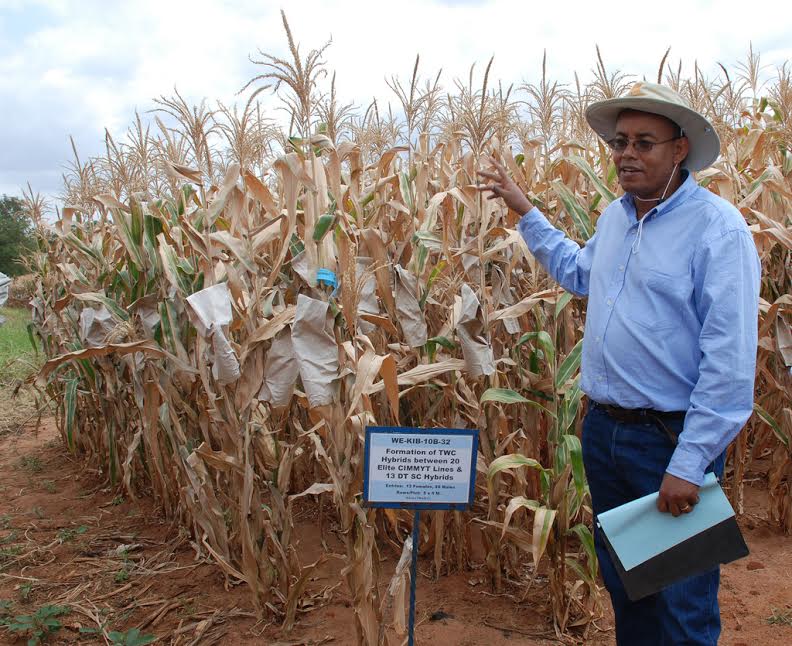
{"x":684,"y":191}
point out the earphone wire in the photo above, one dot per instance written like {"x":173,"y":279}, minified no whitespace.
{"x":636,"y":245}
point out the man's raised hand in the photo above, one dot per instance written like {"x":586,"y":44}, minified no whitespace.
{"x":501,"y":186}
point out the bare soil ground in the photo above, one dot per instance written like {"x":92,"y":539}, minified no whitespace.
{"x":117,"y":565}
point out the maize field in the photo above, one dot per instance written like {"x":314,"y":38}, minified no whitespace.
{"x":198,"y":351}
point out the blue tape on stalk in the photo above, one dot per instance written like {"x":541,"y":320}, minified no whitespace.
{"x":327,"y":277}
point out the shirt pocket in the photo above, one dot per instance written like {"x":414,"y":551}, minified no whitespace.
{"x":662,"y":301}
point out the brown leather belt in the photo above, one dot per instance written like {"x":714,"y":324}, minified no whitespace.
{"x":643,"y":416}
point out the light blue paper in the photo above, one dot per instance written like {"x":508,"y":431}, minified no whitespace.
{"x":638,"y":531}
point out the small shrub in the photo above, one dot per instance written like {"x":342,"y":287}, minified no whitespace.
{"x":39,"y":625}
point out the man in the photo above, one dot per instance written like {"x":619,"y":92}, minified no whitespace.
{"x":669,"y":351}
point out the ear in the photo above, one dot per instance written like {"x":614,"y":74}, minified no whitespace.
{"x":681,"y":149}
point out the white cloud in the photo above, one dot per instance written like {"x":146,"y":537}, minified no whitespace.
{"x":78,"y":67}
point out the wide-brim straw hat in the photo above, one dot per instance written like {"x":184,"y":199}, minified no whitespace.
{"x":650,"y":97}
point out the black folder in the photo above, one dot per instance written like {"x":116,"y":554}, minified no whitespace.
{"x":652,"y":550}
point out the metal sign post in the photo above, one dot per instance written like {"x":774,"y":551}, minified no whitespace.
{"x":414,"y":575}
{"x":419,"y":468}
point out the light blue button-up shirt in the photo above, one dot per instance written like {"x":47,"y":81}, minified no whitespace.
{"x":671,"y":321}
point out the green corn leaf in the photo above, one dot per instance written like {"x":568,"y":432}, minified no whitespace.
{"x":130,"y":234}
{"x":587,"y":542}
{"x":612,"y":173}
{"x":136,"y":223}
{"x":443,"y":341}
{"x":431,"y":345}
{"x":544,"y":340}
{"x":429,"y":239}
{"x":430,"y":281}
{"x":504,"y":396}
{"x":186,"y":266}
{"x":588,"y":171}
{"x":562,"y":302}
{"x":508,"y":396}
{"x":92,"y":254}
{"x":569,"y":365}
{"x":434,"y":274}
{"x":579,"y":215}
{"x":773,"y":424}
{"x":511,"y":461}
{"x":170,"y":265}
{"x":758,"y":181}
{"x":545,"y":480}
{"x":31,"y":337}
{"x":71,"y":408}
{"x":296,"y":245}
{"x":573,"y":564}
{"x":419,"y":259}
{"x":406,"y":191}
{"x":574,"y":453}
{"x":570,"y":406}
{"x":323,"y":225}
{"x":95,"y":297}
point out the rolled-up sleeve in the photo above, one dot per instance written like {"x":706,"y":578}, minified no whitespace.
{"x":562,"y":258}
{"x":726,"y":272}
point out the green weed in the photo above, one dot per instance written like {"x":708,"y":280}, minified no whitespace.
{"x":39,"y":625}
{"x":31,"y":463}
{"x":68,"y":534}
{"x":7,"y":552}
{"x":132,"y":637}
{"x":781,"y":617}
{"x":9,"y":539}
{"x":25,"y":590}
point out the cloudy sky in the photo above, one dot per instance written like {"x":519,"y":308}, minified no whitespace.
{"x":78,"y":67}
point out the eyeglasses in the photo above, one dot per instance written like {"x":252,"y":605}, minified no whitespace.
{"x":619,"y":144}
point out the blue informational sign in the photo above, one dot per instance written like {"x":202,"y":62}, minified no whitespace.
{"x":419,"y":468}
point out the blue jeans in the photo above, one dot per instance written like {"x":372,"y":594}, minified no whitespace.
{"x":624,"y":462}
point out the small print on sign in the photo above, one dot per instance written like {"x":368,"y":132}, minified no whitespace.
{"x":411,"y":467}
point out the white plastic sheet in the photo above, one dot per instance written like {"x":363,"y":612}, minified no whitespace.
{"x":211,"y":314}
{"x":95,"y":325}
{"x":408,"y":308}
{"x":475,"y":348}
{"x":315,"y":349}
